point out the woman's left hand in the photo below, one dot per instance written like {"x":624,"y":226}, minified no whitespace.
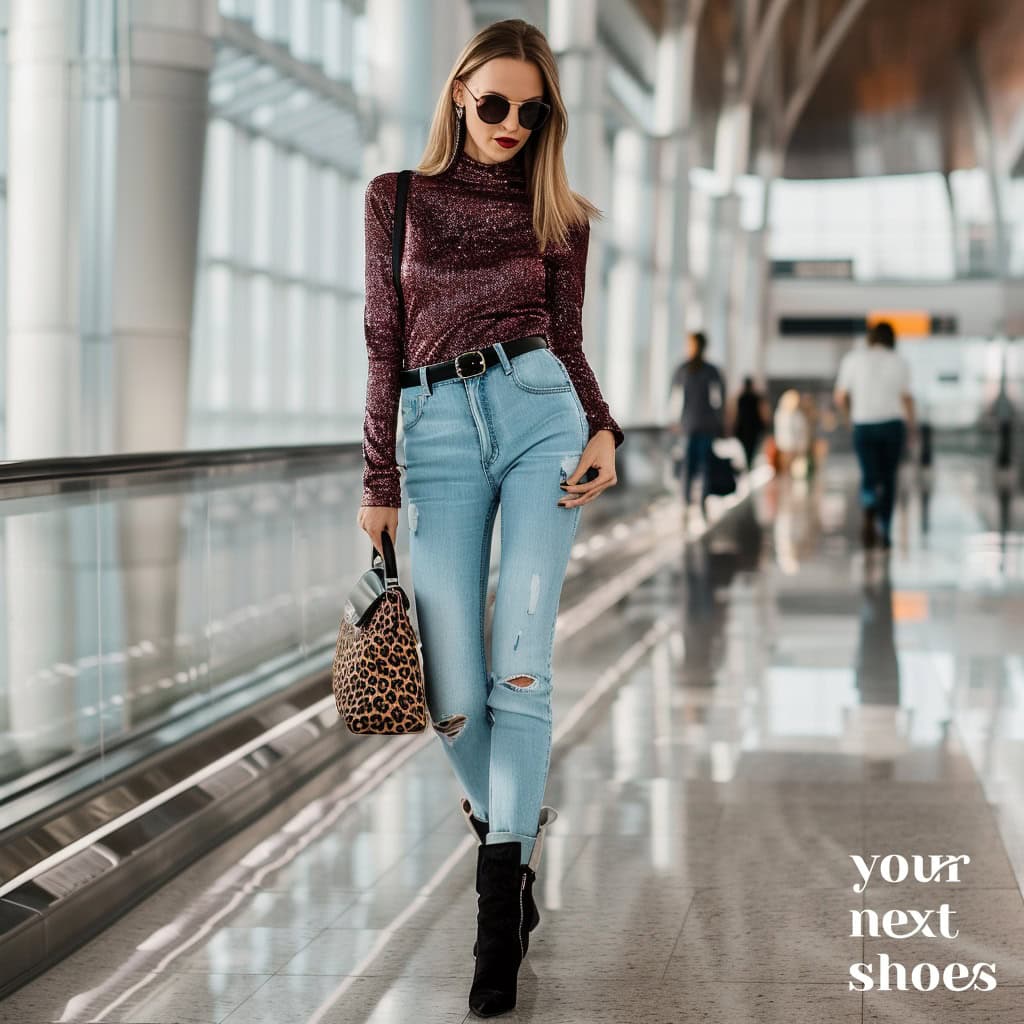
{"x":599,"y":453}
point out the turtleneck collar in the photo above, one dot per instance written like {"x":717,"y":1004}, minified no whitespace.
{"x":505,"y":176}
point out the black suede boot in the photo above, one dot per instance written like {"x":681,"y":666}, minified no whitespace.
{"x":531,"y":915}
{"x":500,"y":881}
{"x":530,"y":912}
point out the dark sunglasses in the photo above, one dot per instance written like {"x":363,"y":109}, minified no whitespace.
{"x":493,"y":108}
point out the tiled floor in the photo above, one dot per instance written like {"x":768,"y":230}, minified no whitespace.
{"x":733,"y":720}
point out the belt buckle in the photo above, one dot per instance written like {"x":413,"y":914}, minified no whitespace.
{"x":458,"y":369}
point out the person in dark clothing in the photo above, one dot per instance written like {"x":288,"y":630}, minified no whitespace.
{"x":750,"y":420}
{"x":703,"y":391}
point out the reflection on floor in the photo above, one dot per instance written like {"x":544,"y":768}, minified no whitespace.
{"x":761,"y":705}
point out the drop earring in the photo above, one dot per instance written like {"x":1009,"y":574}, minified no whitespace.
{"x":458,"y":134}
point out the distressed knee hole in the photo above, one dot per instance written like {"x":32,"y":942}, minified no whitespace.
{"x":519,"y":682}
{"x":450,"y":727}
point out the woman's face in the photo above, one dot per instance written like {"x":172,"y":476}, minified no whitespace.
{"x":692,"y":347}
{"x":516,"y":80}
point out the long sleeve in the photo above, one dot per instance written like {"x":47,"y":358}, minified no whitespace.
{"x":382,"y":330}
{"x":566,"y":278}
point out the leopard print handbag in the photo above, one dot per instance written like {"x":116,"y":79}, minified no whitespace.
{"x":377,"y":675}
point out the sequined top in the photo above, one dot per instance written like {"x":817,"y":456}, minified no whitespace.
{"x":471,"y":272}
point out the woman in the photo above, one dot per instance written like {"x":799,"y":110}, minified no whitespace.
{"x":498,"y":406}
{"x":703,"y":392}
{"x":873,"y":390}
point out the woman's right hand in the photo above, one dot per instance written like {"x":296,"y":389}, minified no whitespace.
{"x":375,"y":519}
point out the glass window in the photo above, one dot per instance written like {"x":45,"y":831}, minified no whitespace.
{"x":329,"y":391}
{"x":360,"y":55}
{"x":297,"y":195}
{"x":218,"y":189}
{"x":301,"y":28}
{"x":891,"y":227}
{"x":299,"y":368}
{"x":1014,"y":216}
{"x":329,"y":231}
{"x":219,"y":331}
{"x":262,"y":201}
{"x":260,"y":349}
{"x":332,"y":47}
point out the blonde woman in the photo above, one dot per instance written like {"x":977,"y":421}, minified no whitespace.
{"x":499,"y":407}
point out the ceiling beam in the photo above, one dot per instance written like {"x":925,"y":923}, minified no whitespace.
{"x":808,"y":35}
{"x":985,"y":149}
{"x":830,"y":42}
{"x":763,"y":43}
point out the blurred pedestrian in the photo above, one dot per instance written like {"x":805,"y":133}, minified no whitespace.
{"x":751,"y":419}
{"x":702,"y":419}
{"x":791,"y":430}
{"x":1003,"y":413}
{"x":873,"y":391}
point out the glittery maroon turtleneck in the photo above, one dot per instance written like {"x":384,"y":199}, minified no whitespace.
{"x":471,"y":276}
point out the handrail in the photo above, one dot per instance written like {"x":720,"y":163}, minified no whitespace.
{"x":17,"y":471}
{"x":74,"y":467}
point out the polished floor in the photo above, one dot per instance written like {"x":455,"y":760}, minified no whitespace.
{"x":737,"y":713}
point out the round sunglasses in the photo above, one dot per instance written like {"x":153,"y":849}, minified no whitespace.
{"x":493,"y":108}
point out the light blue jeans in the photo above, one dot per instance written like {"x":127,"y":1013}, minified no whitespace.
{"x":510,"y":435}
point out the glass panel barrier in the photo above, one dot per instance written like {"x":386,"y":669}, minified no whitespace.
{"x":129,"y":601}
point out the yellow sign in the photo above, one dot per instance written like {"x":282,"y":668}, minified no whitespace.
{"x":911,"y":323}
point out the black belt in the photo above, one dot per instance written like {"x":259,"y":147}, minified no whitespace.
{"x":471,"y":364}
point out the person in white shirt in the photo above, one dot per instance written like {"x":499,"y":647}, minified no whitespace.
{"x":873,"y":390}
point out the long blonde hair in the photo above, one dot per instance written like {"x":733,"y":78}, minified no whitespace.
{"x":556,"y":207}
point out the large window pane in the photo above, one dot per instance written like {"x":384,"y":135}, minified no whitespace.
{"x":894,"y":227}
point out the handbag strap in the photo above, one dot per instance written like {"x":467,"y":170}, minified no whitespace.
{"x":398,"y":240}
{"x":390,"y":560}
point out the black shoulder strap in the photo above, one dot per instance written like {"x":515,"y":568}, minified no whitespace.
{"x":398,"y":239}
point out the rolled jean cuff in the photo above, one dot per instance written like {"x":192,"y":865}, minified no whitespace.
{"x":525,"y":842}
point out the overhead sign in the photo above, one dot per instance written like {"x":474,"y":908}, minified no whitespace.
{"x":841,"y":269}
{"x":906,"y":323}
{"x":913,"y":323}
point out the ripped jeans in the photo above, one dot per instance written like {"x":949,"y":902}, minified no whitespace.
{"x":508,"y":436}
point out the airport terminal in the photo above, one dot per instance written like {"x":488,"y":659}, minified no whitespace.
{"x":512,"y":508}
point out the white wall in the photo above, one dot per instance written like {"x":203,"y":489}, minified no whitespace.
{"x":955,"y":378}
